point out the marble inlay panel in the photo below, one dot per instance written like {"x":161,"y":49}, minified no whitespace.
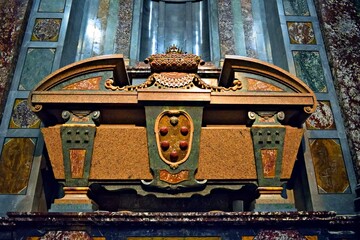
{"x":226,"y":27}
{"x":301,"y":33}
{"x":296,"y":8}
{"x":256,"y":85}
{"x":330,"y":171}
{"x":22,"y":116}
{"x":322,"y":118}
{"x":87,"y":84}
{"x":38,"y":64}
{"x":46,"y":29}
{"x":340,"y":27}
{"x":123,"y":31}
{"x":279,"y":234}
{"x":52,"y":6}
{"x":15,"y":165}
{"x":309,"y":68}
{"x":268,"y":157}
{"x":248,"y":20}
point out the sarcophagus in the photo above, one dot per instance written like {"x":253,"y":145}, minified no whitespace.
{"x":175,"y":134}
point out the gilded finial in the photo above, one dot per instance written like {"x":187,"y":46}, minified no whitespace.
{"x":174,"y":49}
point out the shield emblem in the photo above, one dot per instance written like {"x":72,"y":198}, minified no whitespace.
{"x":174,"y":133}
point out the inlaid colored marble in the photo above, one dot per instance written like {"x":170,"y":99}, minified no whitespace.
{"x":70,"y":235}
{"x":330,"y":171}
{"x":226,"y":27}
{"x":268,"y":157}
{"x":296,"y":8}
{"x":12,"y":27}
{"x":87,"y":84}
{"x":77,"y":160}
{"x":15,"y":165}
{"x":256,"y":85}
{"x":309,"y":68}
{"x":22,"y":116}
{"x":38,"y":64}
{"x":301,"y":33}
{"x":51,"y":6}
{"x":123,"y":31}
{"x":340,"y":26}
{"x":322,"y":118}
{"x":46,"y":29}
{"x":279,"y":234}
{"x":248,"y":20}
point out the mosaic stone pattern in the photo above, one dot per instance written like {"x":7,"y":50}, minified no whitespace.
{"x":331,"y":176}
{"x":38,"y":64}
{"x":22,"y":116}
{"x":341,"y":30}
{"x":309,"y":68}
{"x":301,"y":33}
{"x":226,"y":27}
{"x":322,"y":118}
{"x":15,"y":165}
{"x":248,"y":20}
{"x":296,"y":8}
{"x":87,"y":84}
{"x":123,"y":31}
{"x":46,"y":29}
{"x":12,"y":27}
{"x":52,"y":6}
{"x":259,"y":86}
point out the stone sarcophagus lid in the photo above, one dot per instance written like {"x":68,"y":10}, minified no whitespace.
{"x":182,"y":130}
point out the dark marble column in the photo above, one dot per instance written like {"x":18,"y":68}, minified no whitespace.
{"x":13,"y":18}
{"x":340,"y":26}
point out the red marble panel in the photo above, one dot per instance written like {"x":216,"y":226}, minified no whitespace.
{"x":322,"y":118}
{"x":77,"y":159}
{"x":268,"y":157}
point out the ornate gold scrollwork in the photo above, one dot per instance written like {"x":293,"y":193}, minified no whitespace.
{"x":129,"y":88}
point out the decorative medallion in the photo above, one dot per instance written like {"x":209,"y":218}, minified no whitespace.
{"x":174,"y":134}
{"x":22,"y":116}
{"x":46,"y":29}
{"x":301,"y":33}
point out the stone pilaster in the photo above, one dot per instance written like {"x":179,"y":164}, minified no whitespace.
{"x":13,"y":18}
